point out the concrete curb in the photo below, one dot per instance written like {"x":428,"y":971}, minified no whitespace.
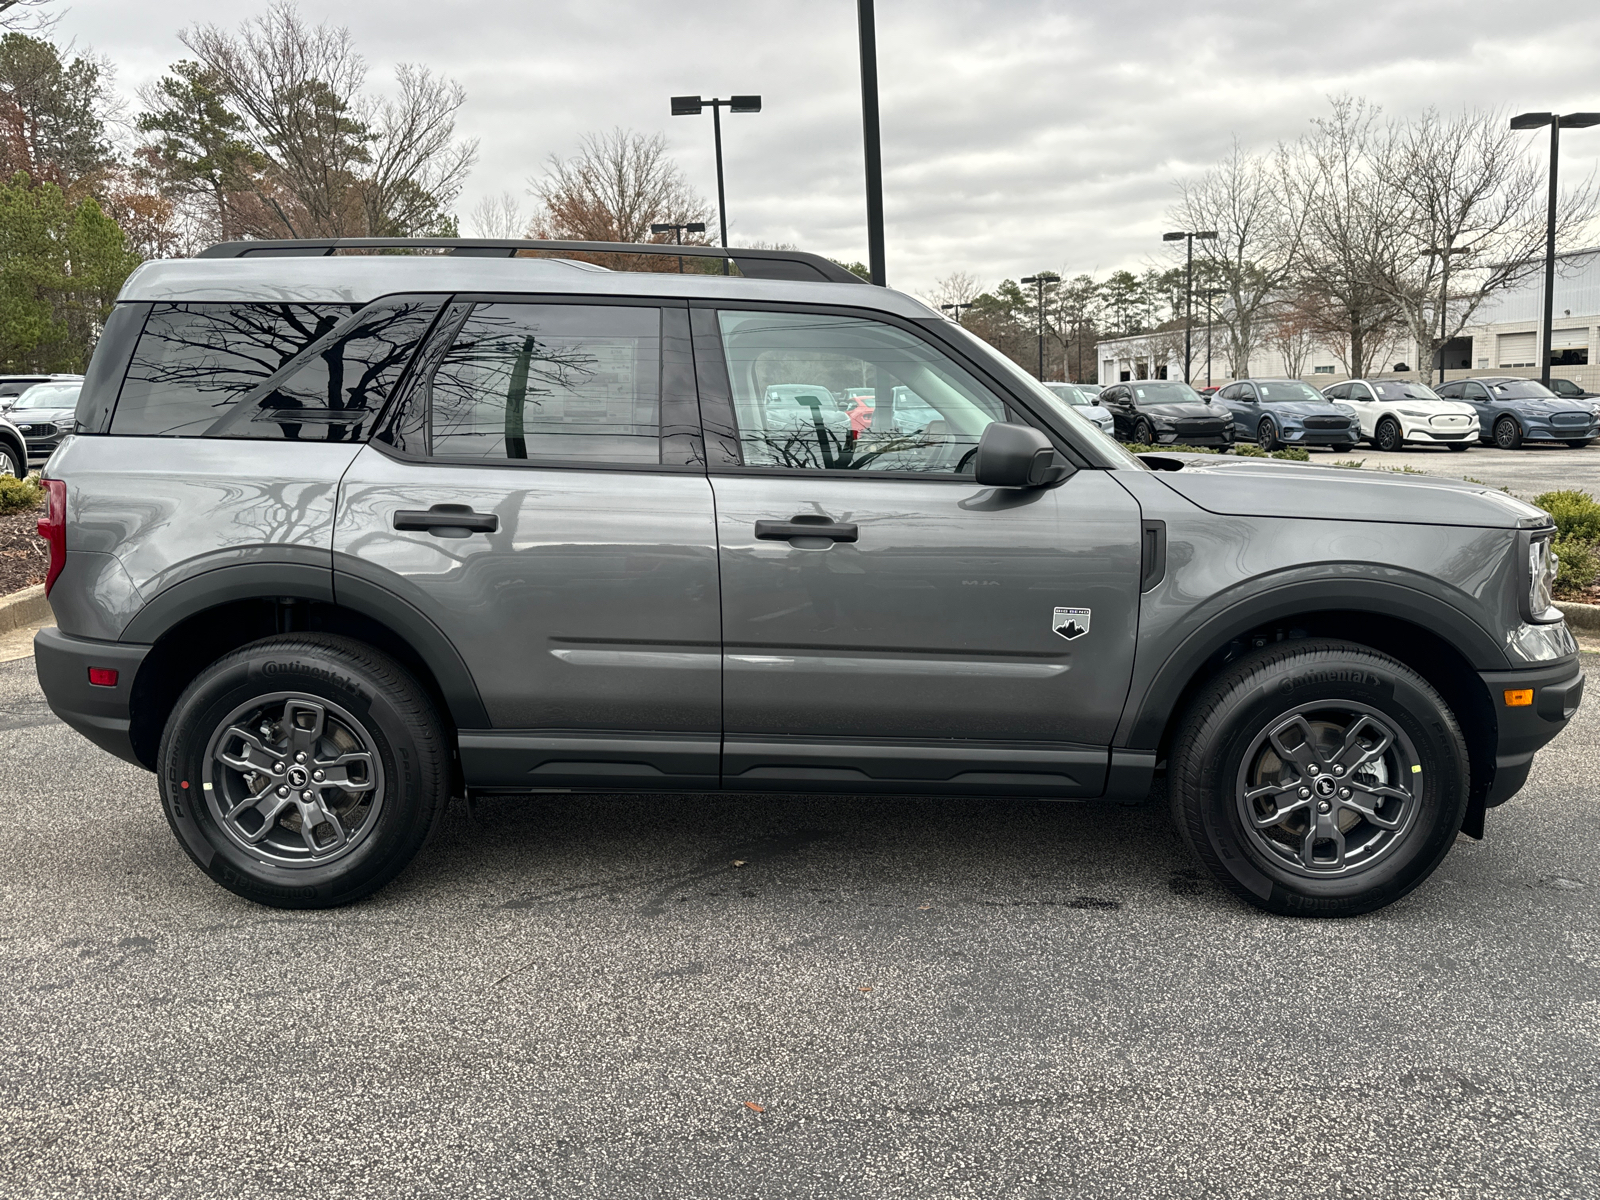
{"x":1581,"y":616}
{"x":27,"y":607}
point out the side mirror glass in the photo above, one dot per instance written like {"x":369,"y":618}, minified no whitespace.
{"x":1017,"y":456}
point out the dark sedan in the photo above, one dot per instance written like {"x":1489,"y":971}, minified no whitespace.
{"x":1568,"y":390}
{"x":1275,"y":413}
{"x":1166,"y":412}
{"x":45,"y":414}
{"x":1512,"y":410}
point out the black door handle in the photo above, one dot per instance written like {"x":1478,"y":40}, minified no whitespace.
{"x":447,"y":521}
{"x":806,"y":526}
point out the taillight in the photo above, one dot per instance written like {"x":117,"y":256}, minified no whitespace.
{"x":53,"y":528}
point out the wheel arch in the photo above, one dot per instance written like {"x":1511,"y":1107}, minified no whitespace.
{"x":17,"y":446}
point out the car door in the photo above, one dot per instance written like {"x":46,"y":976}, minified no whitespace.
{"x":1359,"y":397}
{"x":1475,"y":394}
{"x":1118,"y":401}
{"x":887,"y":623}
{"x":540,"y":504}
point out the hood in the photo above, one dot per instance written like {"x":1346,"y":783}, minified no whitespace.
{"x":1251,"y":488}
{"x":1459,"y":407}
{"x":1540,"y":405}
{"x":1302,"y":408}
{"x":1158,"y":411}
{"x":38,"y":416}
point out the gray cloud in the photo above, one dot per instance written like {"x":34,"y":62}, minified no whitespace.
{"x":1016,"y":135}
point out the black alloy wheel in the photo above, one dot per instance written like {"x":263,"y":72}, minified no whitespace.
{"x":1267,"y":434}
{"x":1319,"y":778}
{"x":1457,"y":446}
{"x":1144,"y":433}
{"x":303,"y":770}
{"x":1388,"y":436}
{"x":1507,"y":433}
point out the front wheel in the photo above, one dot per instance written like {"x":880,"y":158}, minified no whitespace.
{"x":1144,"y":433}
{"x":1507,"y":433}
{"x":1319,"y":778}
{"x":1388,"y":435}
{"x":303,"y":770}
{"x":9,"y":464}
{"x":1267,"y":435}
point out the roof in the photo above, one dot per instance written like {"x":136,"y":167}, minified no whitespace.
{"x":358,"y":279}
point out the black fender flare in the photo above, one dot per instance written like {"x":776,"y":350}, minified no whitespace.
{"x":1145,"y":717}
{"x":15,"y":442}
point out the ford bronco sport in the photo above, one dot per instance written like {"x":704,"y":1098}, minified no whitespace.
{"x":343,"y":534}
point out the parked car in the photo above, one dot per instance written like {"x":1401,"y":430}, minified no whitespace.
{"x":1083,"y":403}
{"x":519,"y":524}
{"x":1163,"y":412}
{"x":13,"y":450}
{"x":44,"y":414}
{"x":12,"y":386}
{"x":1392,"y":412}
{"x":1568,"y":390}
{"x":1275,"y":413}
{"x":1512,"y":410}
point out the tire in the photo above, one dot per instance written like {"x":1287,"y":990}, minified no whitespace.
{"x":1458,"y":447}
{"x":1507,"y":433}
{"x":1580,"y":445}
{"x":350,"y":704}
{"x":1267,"y":435}
{"x":1332,"y":691}
{"x":1144,"y":433}
{"x":1388,"y":435}
{"x":9,"y":464}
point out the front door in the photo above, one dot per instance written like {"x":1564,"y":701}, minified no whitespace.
{"x":542,"y":501}
{"x":887,"y":623}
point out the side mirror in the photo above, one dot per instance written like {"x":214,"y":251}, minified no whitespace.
{"x":1017,"y":456}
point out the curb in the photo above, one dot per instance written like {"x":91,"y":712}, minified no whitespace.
{"x":29,"y":607}
{"x":1579,"y":616}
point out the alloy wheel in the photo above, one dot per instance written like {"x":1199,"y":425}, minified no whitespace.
{"x":1506,"y":434}
{"x":1388,"y":435}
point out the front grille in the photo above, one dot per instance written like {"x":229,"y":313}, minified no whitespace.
{"x":1327,"y":423}
{"x":1449,"y":421}
{"x":37,"y":430}
{"x":1199,"y":426}
{"x":1571,"y":418}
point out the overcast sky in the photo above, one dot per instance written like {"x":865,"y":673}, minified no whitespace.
{"x":1016,"y":135}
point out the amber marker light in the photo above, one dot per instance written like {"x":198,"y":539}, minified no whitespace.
{"x":1519,"y":697}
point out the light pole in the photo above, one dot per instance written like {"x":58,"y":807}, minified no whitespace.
{"x":867,"y":33}
{"x":1039,"y":281}
{"x":1210,"y":294}
{"x":690,"y":106}
{"x":1444,"y":254}
{"x":677,"y":232}
{"x":1557,"y":123}
{"x":1188,"y":290}
{"x":958,"y":308}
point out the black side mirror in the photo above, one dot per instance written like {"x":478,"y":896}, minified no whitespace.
{"x":1017,"y":456}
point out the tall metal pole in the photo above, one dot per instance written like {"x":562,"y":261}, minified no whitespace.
{"x":1444,"y":301}
{"x":1188,"y":311}
{"x":722,"y":201}
{"x":1040,"y":286}
{"x":1208,"y":334}
{"x":869,"y":138}
{"x":1550,"y":254}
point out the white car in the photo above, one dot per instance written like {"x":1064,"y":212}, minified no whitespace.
{"x":1083,"y":400}
{"x":1393,"y":412}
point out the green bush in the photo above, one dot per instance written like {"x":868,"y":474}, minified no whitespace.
{"x":1141,"y":448}
{"x":1293,"y":454}
{"x":1246,"y":450}
{"x":1576,"y":514}
{"x":1579,"y":564}
{"x":19,"y":495}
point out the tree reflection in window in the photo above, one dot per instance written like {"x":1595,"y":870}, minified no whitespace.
{"x":576,"y":383}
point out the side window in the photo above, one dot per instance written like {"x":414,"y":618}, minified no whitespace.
{"x":1339,"y":391}
{"x":193,"y":362}
{"x":1448,"y":391}
{"x":574,"y":383}
{"x":1476,"y":391}
{"x":844,"y":393}
{"x":1360,"y":391}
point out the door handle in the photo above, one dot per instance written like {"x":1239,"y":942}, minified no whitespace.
{"x":806,"y":526}
{"x":447,"y":521}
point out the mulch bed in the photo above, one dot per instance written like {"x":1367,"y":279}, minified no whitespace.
{"x":23,"y":556}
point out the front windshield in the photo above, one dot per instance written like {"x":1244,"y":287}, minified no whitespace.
{"x":45,"y":396}
{"x":1065,"y":391}
{"x":1166,"y":391}
{"x":1521,"y":389}
{"x":1281,"y":393}
{"x":1392,"y":390}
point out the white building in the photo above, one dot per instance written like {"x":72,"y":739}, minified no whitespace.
{"x":1503,"y":338}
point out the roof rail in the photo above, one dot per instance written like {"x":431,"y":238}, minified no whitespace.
{"x":753,"y":264}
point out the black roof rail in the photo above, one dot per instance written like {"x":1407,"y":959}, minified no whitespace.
{"x":753,"y":264}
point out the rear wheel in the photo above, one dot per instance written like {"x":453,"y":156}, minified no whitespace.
{"x":1507,"y":433}
{"x":1267,"y":434}
{"x":304,"y":770}
{"x":1319,"y":778}
{"x":1388,"y":435}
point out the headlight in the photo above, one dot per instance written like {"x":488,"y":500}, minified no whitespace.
{"x":1410,"y":412}
{"x":1542,"y":565}
{"x":67,"y":425}
{"x":1348,"y":412}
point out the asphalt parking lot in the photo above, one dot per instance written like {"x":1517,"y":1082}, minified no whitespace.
{"x":728,"y":996}
{"x":1527,"y":472}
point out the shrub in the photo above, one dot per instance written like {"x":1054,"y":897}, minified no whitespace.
{"x":1576,"y":514}
{"x":1246,"y":450}
{"x":1579,"y":564}
{"x":1141,"y":448}
{"x":19,"y":495}
{"x":1293,"y":454}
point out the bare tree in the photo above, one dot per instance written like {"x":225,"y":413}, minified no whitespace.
{"x":498,"y":217}
{"x":23,"y":16}
{"x":958,"y":287}
{"x":614,"y":189}
{"x":1291,"y":332}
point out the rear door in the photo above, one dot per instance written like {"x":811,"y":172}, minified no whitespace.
{"x":541,"y":498}
{"x":887,"y":623}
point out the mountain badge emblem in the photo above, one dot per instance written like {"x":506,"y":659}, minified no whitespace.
{"x":1070,"y":623}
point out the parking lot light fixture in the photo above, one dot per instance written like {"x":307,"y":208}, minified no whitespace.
{"x":1040,"y":281}
{"x":957,"y":309}
{"x":1557,"y":122}
{"x":692,"y":106}
{"x":1188,"y":289}
{"x":677,"y":232}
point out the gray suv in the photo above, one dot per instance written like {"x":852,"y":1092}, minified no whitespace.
{"x":342,"y":535}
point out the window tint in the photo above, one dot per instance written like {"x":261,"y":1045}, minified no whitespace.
{"x":1405,"y":391}
{"x":49,"y":395}
{"x":576,"y":383}
{"x":1520,"y":389}
{"x":842,"y":393}
{"x":1339,"y":391}
{"x":1167,"y":392}
{"x":194,"y":361}
{"x":1275,"y":393}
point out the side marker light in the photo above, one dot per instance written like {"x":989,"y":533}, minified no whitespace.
{"x":1519,"y":697}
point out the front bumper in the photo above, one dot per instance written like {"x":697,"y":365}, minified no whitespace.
{"x":1427,"y":433}
{"x":101,"y":714}
{"x":1167,"y":437}
{"x":1525,"y":729}
{"x":1321,"y":437}
{"x":1550,"y":432}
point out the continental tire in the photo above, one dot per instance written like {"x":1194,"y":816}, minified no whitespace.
{"x":303,"y":770}
{"x":1319,"y":778}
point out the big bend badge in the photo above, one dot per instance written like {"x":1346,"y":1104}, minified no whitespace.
{"x":1070,"y":623}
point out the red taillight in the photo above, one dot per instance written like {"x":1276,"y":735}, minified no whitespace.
{"x":53,"y":528}
{"x":103,"y":676}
